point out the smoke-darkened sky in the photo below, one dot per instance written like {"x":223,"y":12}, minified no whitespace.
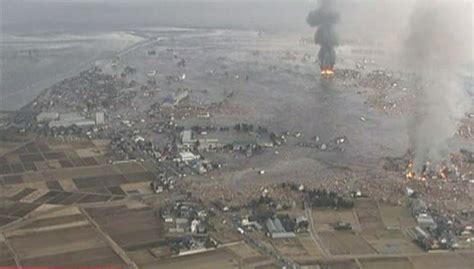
{"x":280,"y":15}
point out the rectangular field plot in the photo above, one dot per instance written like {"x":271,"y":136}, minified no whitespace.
{"x":369,"y":215}
{"x":213,"y":259}
{"x":345,"y":243}
{"x":324,"y":219}
{"x":387,"y":263}
{"x":130,"y":229}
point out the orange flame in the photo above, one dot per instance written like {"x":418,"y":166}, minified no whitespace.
{"x":409,"y":171}
{"x":327,"y":72}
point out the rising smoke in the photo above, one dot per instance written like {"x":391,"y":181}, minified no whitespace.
{"x":325,"y":18}
{"x":436,"y":50}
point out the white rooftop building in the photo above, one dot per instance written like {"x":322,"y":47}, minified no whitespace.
{"x":276,"y":230}
{"x":188,"y":156}
{"x":187,"y":139}
{"x":100,"y":118}
{"x":70,"y":119}
{"x":47,"y":116}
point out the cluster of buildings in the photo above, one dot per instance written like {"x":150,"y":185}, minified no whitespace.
{"x":420,"y":211}
{"x":185,"y":218}
{"x":91,"y":90}
{"x":264,"y":217}
{"x":189,"y":142}
{"x":276,"y":227}
{"x":133,"y":146}
{"x":65,"y":120}
{"x":190,"y":145}
{"x":236,"y":141}
{"x":162,"y":183}
{"x":187,"y":224}
{"x":432,"y":233}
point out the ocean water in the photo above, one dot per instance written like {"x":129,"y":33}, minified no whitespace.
{"x":42,"y":42}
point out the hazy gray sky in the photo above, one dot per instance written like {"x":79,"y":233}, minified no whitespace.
{"x":358,"y":17}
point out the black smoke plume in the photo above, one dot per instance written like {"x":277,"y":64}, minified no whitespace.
{"x":324,"y":17}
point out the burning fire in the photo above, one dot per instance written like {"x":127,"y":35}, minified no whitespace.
{"x":426,"y":172}
{"x":327,"y":72}
{"x":410,"y":174}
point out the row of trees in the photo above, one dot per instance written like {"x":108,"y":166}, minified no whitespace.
{"x":323,"y":198}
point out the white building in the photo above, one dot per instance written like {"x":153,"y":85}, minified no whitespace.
{"x":70,"y":119}
{"x":100,"y":118}
{"x":188,"y":156}
{"x":276,"y":231}
{"x":187,"y":139}
{"x":138,"y":139}
{"x":47,"y":116}
{"x":194,"y":226}
{"x":425,"y":221}
{"x":69,"y":123}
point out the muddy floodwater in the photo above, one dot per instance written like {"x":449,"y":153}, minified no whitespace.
{"x":34,"y":62}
